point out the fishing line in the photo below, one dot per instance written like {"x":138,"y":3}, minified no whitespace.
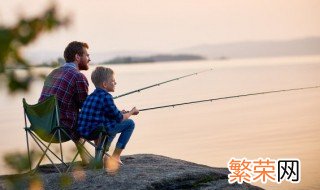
{"x":158,"y":84}
{"x":227,"y":97}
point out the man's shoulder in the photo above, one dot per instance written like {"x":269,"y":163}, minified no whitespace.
{"x":79,"y":75}
{"x":72,"y":72}
{"x":64,"y":71}
{"x":55,"y":71}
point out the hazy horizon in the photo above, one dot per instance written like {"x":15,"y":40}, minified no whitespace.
{"x":242,"y":49}
{"x":162,"y":26}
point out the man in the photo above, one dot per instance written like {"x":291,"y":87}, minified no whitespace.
{"x":70,"y":87}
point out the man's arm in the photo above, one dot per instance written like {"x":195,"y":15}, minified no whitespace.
{"x":81,"y":89}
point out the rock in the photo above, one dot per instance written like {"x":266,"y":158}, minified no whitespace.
{"x":141,"y":171}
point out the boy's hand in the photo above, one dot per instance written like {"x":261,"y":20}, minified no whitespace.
{"x":135,"y":111}
{"x":126,"y":115}
{"x":124,"y":111}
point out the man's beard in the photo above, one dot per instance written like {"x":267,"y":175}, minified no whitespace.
{"x":83,"y":66}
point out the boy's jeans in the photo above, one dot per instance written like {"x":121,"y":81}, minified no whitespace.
{"x":126,"y":128}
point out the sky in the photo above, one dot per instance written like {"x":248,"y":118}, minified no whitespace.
{"x":166,"y":25}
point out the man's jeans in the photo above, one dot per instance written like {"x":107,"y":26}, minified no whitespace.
{"x":126,"y":128}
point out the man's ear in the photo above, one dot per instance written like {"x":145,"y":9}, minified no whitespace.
{"x":77,"y":57}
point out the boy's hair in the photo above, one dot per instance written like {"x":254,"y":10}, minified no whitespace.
{"x":101,"y":74}
{"x":74,"y":48}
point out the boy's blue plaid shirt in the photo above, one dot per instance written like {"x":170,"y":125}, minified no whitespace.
{"x":98,"y":110}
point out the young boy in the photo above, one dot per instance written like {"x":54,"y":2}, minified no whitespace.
{"x":99,"y":110}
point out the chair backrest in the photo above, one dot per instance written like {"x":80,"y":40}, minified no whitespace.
{"x":44,"y":119}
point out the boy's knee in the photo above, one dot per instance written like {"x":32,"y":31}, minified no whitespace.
{"x":131,"y":123}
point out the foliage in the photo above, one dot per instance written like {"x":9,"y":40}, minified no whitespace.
{"x":65,"y":180}
{"x":19,"y":161}
{"x":14,"y":38}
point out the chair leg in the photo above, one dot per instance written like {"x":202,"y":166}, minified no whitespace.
{"x":78,"y":151}
{"x":60,"y":145}
{"x":96,"y":146}
{"x":105,"y":151}
{"x":100,"y":150}
{"x":35,"y":137}
{"x":27,"y":138}
{"x":82,"y":147}
{"x":45,"y":154}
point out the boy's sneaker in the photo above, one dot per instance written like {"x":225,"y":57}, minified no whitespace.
{"x":111,"y":165}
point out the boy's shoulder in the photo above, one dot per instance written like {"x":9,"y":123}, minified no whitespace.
{"x":98,"y":97}
{"x":101,"y":93}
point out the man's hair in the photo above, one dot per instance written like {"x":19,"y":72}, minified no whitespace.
{"x":101,"y":74}
{"x":74,"y":48}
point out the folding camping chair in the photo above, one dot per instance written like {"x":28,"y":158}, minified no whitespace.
{"x":101,"y":134}
{"x":45,"y":127}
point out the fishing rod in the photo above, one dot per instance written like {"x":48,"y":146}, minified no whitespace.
{"x":158,"y":84}
{"x":227,"y":97}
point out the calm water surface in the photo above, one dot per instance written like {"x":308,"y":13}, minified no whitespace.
{"x":282,"y":125}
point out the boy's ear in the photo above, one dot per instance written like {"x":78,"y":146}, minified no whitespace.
{"x":104,"y":84}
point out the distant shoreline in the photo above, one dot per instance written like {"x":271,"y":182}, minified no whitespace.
{"x":55,"y":64}
{"x":153,"y":58}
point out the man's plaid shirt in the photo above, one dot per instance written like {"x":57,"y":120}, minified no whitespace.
{"x":71,"y":89}
{"x":98,"y":110}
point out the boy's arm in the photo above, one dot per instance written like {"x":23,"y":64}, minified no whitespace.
{"x":111,"y":109}
{"x":127,"y":115}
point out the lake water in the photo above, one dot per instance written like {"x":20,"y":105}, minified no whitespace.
{"x":280,"y":125}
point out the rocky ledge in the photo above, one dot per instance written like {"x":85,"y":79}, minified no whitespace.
{"x":141,"y":171}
